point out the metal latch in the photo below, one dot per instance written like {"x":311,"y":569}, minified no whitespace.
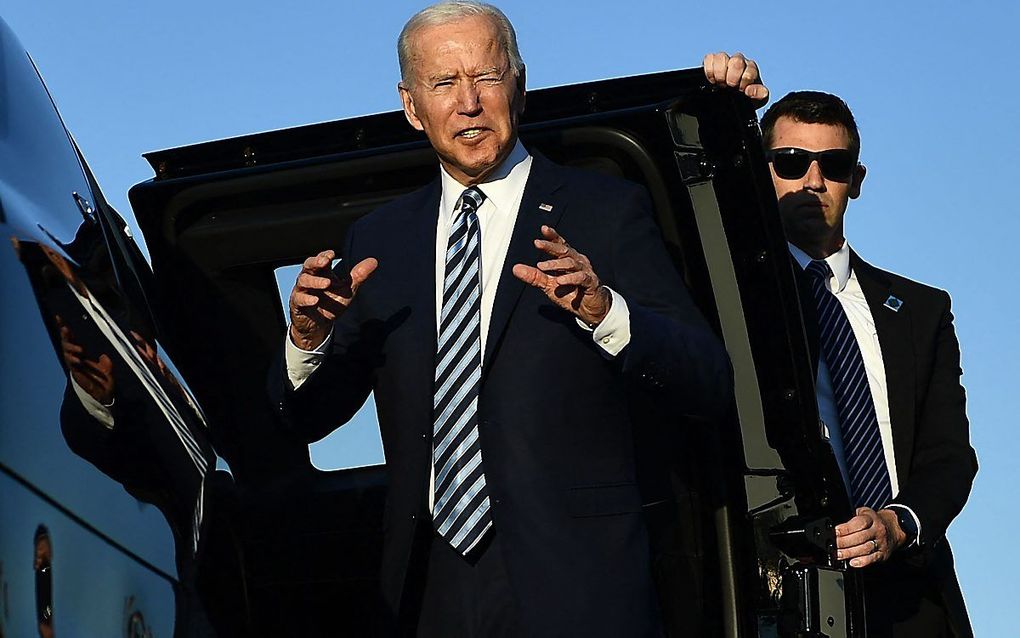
{"x":804,"y":538}
{"x":819,"y":603}
{"x":85,"y":206}
{"x":694,"y":167}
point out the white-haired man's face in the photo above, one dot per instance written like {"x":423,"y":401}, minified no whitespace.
{"x":464,"y":95}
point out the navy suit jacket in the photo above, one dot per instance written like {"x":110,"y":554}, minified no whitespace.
{"x":554,"y":422}
{"x":935,"y":462}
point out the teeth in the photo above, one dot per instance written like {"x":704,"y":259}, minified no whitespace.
{"x":471,"y":132}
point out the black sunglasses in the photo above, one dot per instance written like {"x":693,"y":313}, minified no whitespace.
{"x":837,"y":164}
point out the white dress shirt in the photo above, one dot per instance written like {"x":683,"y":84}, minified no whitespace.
{"x":844,"y":285}
{"x":497,"y":215}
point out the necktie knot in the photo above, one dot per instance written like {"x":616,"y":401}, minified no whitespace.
{"x":819,"y":268}
{"x":471,"y":200}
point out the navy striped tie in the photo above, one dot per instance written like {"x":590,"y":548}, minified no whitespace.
{"x":862,"y":442}
{"x":460,"y":511}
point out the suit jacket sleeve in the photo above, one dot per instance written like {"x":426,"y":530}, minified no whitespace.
{"x":672,"y":351}
{"x":342,"y":382}
{"x":944,"y":464}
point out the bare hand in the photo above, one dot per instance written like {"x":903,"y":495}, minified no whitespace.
{"x":738,"y":72}
{"x":869,"y":538}
{"x":320,"y":296}
{"x":95,"y":377}
{"x":567,"y":279}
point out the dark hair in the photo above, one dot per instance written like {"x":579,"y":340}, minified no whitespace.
{"x":811,"y":107}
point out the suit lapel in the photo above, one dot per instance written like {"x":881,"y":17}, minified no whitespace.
{"x":540,"y":204}
{"x":809,"y":313}
{"x":895,"y":337}
{"x":419,"y":287}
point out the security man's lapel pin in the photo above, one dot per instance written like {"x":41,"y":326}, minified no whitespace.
{"x":546,"y":207}
{"x":893,"y":303}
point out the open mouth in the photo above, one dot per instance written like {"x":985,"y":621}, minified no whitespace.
{"x":471,"y":133}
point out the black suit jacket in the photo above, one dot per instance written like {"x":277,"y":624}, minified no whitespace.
{"x":554,"y":425}
{"x":935,"y":462}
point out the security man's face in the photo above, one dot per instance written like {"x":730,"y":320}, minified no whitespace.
{"x":464,"y":95}
{"x":812,"y":205}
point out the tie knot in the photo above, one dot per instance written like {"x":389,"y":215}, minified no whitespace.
{"x":471,"y":199}
{"x":819,"y":269}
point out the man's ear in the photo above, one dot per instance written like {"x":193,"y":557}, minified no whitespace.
{"x":521,"y":89}
{"x":856,"y":179}
{"x":408,"y":102}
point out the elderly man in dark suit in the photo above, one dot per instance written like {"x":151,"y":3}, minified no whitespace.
{"x":499,"y":353}
{"x":888,"y":379}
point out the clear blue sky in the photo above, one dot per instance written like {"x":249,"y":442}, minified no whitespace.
{"x":933,"y":85}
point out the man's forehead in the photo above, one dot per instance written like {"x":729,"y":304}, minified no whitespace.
{"x":788,"y":131}
{"x":474,"y":34}
{"x":437,"y":71}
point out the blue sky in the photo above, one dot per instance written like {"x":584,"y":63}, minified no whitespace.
{"x":933,"y":86}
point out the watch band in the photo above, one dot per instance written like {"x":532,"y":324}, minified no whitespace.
{"x":907,"y":524}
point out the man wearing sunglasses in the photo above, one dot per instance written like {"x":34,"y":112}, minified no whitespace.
{"x":888,"y":379}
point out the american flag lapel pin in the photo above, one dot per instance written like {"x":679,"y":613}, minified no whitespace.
{"x":893,"y":303}
{"x":546,"y":207}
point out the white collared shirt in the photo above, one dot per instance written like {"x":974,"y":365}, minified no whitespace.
{"x":497,"y":215}
{"x":496,"y":218}
{"x":844,"y":285}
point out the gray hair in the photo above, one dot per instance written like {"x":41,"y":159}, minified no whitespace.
{"x":449,"y":11}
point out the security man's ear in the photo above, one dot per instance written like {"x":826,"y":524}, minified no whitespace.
{"x":856,"y":179}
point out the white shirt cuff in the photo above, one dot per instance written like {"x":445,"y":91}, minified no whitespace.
{"x":613,"y":334}
{"x":98,"y":411}
{"x":302,"y":363}
{"x":917,"y":521}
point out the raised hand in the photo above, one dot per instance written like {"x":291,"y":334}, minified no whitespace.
{"x":738,"y":72}
{"x":95,"y":376}
{"x":567,"y":279}
{"x":320,"y":296}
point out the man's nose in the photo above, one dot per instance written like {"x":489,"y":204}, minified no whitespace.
{"x":813,"y":179}
{"x":468,"y":99}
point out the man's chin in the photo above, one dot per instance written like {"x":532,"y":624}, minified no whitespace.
{"x":478,"y":168}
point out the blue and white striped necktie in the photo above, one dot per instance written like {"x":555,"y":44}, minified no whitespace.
{"x":461,"y":507}
{"x":862,"y":441}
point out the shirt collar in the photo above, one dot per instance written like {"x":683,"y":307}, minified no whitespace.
{"x":502,"y":187}
{"x":838,"y":261}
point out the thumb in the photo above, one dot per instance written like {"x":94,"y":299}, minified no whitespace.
{"x":757,"y":92}
{"x":105,"y":363}
{"x":362,"y":271}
